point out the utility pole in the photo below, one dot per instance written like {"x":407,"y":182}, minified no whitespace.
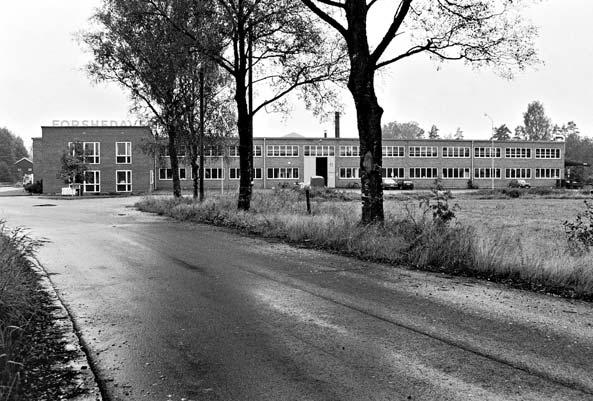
{"x":491,"y":147}
{"x":201,"y":141}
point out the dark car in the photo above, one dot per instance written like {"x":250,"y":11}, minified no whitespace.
{"x":405,"y":184}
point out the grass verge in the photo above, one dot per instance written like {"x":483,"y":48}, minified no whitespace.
{"x":31,"y":347}
{"x":410,"y":236}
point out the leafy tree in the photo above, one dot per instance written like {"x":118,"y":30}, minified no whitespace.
{"x":12,"y":150}
{"x":519,"y":133}
{"x":433,"y":133}
{"x":537,"y":124}
{"x":72,"y":166}
{"x":151,"y":58}
{"x":6,"y":174}
{"x":458,"y":134}
{"x":502,"y":133}
{"x":480,"y":32}
{"x":409,"y":130}
{"x":281,"y":46}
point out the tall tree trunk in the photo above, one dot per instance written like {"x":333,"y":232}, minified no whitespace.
{"x":194,"y":169}
{"x":174,"y":161}
{"x":368,"y":112}
{"x":245,"y":144}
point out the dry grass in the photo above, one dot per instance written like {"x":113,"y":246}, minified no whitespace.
{"x":18,"y":286}
{"x":519,"y":241}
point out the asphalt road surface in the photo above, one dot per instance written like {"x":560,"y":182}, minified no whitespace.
{"x":172,"y":311}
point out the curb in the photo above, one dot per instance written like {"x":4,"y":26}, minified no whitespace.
{"x":84,"y":380}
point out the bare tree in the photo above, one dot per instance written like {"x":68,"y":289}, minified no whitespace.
{"x":480,"y":32}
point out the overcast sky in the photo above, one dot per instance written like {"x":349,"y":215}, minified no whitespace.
{"x":41,"y":78}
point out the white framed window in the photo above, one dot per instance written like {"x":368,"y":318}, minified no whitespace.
{"x":319,"y":150}
{"x":547,"y":153}
{"x":181,"y":151}
{"x":451,"y":173}
{"x":349,"y":173}
{"x":92,"y":181}
{"x":282,"y":151}
{"x":257,"y":150}
{"x":487,"y":153}
{"x":424,"y":172}
{"x":166,"y":174}
{"x":486,"y":173}
{"x":456,"y":152}
{"x":92,"y":152}
{"x":393,"y":151}
{"x":392,"y":172}
{"x":213,"y":151}
{"x":547,"y":173}
{"x":423,"y":151}
{"x":349,"y":151}
{"x":123,"y":152}
{"x":283,"y":172}
{"x":517,"y":153}
{"x":512,"y":173}
{"x":234,"y":173}
{"x":123,"y":181}
{"x":233,"y":151}
{"x":213,"y":174}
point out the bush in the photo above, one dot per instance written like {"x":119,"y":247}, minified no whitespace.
{"x":579,"y":233}
{"x":36,"y":188}
{"x":512,"y":192}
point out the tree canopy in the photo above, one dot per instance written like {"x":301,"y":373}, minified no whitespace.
{"x":409,"y":130}
{"x":12,"y":149}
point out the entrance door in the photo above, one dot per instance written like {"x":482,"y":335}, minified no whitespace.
{"x":321,"y":168}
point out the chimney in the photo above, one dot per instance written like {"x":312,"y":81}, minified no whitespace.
{"x":325,"y":133}
{"x":337,"y":124}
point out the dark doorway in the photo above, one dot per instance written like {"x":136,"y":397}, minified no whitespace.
{"x":321,"y":168}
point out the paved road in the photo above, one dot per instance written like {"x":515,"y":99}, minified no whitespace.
{"x":171,"y":311}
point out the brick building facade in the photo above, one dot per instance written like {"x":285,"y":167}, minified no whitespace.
{"x":289,"y":160}
{"x":114,"y":158}
{"x":118,"y":164}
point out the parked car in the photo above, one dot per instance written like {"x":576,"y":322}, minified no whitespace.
{"x":390,"y":183}
{"x":519,"y":184}
{"x":571,"y":184}
{"x":405,"y":184}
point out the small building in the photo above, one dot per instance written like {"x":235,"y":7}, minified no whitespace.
{"x":24,"y":169}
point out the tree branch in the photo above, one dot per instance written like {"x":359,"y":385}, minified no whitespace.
{"x":398,"y":19}
{"x":326,"y":17}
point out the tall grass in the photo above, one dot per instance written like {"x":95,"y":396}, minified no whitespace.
{"x":410,"y":236}
{"x":18,"y":285}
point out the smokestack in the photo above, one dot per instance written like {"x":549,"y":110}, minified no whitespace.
{"x":325,"y":133}
{"x":337,"y":124}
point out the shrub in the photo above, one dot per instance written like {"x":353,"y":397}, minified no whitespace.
{"x":36,"y":188}
{"x":579,"y":233}
{"x":512,"y":192}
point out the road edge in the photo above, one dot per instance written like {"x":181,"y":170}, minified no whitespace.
{"x":85,"y":375}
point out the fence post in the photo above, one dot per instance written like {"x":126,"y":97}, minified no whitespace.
{"x":307,"y":195}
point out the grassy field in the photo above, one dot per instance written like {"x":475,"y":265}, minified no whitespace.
{"x":520,"y":241}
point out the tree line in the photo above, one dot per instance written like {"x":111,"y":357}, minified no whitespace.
{"x":245,"y":56}
{"x":12,"y":149}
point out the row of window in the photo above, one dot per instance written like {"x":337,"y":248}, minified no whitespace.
{"x":455,"y":173}
{"x":90,"y":152}
{"x":234,"y":173}
{"x":92,"y":181}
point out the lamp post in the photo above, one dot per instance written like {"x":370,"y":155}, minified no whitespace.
{"x":491,"y":148}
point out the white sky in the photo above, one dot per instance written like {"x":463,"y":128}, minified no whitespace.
{"x":41,"y":78}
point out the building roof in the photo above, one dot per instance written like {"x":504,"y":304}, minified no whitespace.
{"x":24,"y":158}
